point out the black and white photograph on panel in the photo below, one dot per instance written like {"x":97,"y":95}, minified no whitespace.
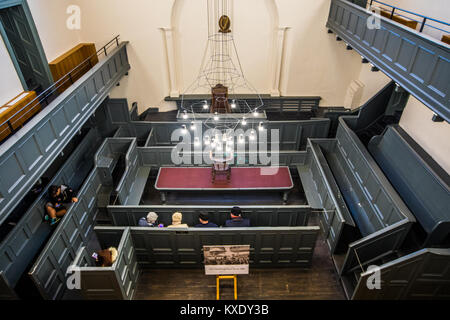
{"x":223,"y":260}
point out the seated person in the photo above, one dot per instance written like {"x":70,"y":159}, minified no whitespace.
{"x":236,"y":219}
{"x":204,"y":221}
{"x":106,"y":258}
{"x":176,"y":221}
{"x":58,"y":197}
{"x":150,"y":221}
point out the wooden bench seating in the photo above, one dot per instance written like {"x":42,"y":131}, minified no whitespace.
{"x":260,"y":216}
{"x":426,"y":192}
{"x":14,"y":106}
{"x":147,"y":248}
{"x":381,"y":218}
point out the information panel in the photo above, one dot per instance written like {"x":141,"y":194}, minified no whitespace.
{"x":226,"y":260}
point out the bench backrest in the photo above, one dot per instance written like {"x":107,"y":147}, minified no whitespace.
{"x":422,"y":184}
{"x":385,"y":208}
{"x":335,"y":216}
{"x":260,"y":216}
{"x":182,"y":248}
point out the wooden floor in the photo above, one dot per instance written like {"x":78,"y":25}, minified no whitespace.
{"x":320,"y":282}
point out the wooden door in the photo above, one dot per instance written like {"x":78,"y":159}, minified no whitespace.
{"x":25,"y":50}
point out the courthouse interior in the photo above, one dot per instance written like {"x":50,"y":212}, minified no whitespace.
{"x":137,"y":135}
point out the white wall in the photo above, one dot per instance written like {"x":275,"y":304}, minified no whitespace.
{"x":50,"y":18}
{"x":374,"y":82}
{"x":315,"y":63}
{"x":433,"y":137}
{"x":138,"y":22}
{"x":10,"y":85}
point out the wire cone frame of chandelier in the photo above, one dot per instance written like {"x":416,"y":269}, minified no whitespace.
{"x":221,"y":67}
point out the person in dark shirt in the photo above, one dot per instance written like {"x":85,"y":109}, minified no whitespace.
{"x":58,"y":196}
{"x":237,"y":221}
{"x":204,"y":221}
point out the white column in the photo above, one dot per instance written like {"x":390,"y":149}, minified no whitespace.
{"x":171,"y":62}
{"x":277,"y":60}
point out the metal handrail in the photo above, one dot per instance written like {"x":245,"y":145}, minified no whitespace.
{"x":44,"y":95}
{"x":425,"y":18}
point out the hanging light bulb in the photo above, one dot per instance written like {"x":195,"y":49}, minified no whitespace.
{"x":255,"y":113}
{"x":216,"y":117}
{"x":185,"y":115}
{"x":183,"y":129}
{"x":244,"y":121}
{"x":260,"y":128}
{"x":252,"y":135}
{"x":193,"y":126}
{"x":205,"y":105}
{"x":233,"y":104}
{"x":241,"y":138}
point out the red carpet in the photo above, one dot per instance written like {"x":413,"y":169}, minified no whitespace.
{"x":241,"y":178}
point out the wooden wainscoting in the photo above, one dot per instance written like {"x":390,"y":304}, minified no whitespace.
{"x":71,"y":59}
{"x":10,"y":108}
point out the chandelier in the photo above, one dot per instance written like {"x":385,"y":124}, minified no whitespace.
{"x":222,"y":75}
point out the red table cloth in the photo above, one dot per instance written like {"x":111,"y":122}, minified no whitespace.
{"x":242,"y":178}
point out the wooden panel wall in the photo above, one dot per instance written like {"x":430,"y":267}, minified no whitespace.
{"x":71,"y":59}
{"x":15,"y":105}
